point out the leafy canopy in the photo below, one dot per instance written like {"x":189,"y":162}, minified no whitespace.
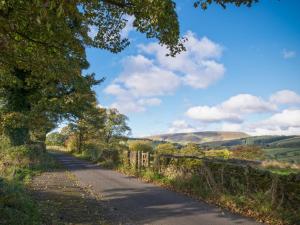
{"x":43,"y":54}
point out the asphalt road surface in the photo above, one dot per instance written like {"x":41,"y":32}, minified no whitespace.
{"x":144,"y":203}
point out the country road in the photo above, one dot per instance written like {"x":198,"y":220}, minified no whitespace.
{"x":144,"y":203}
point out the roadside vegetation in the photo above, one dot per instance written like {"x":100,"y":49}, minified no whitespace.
{"x":17,"y":166}
{"x":239,"y":179}
{"x":99,"y":137}
{"x":266,"y":191}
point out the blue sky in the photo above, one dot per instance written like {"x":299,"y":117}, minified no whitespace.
{"x":241,"y":72}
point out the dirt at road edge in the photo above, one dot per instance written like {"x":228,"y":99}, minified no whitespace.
{"x":62,"y":201}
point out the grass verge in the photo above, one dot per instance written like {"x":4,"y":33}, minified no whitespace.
{"x":256,"y":205}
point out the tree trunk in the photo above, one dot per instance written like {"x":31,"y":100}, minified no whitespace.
{"x":16,"y":99}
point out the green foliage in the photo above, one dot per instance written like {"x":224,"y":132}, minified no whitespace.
{"x":100,"y":135}
{"x":291,"y":155}
{"x":291,"y":142}
{"x":144,"y":146}
{"x":218,"y":153}
{"x":251,"y":152}
{"x":71,"y":143}
{"x":22,"y":162}
{"x":56,"y":139}
{"x":205,"y":3}
{"x":43,"y":56}
{"x":115,"y":126}
{"x":191,"y":149}
{"x":165,"y":148}
{"x":17,"y":165}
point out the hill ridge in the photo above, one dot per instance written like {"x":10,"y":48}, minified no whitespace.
{"x":198,"y":137}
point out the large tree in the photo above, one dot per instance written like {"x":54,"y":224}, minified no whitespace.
{"x":42,"y":56}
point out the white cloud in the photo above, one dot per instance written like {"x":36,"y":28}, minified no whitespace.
{"x":206,"y":73}
{"x":285,"y":97}
{"x":142,"y":78}
{"x":140,"y":83}
{"x":212,"y":114}
{"x":233,"y":114}
{"x":286,"y":122}
{"x":246,"y":103}
{"x":286,"y":118}
{"x":288,"y":54}
{"x":231,"y":110}
{"x":197,"y":66}
{"x":181,"y":126}
{"x":151,"y":73}
{"x":274,"y":131}
{"x":115,"y":89}
{"x":127,"y":106}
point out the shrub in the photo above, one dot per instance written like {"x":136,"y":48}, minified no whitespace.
{"x":192,"y":149}
{"x":144,"y":146}
{"x":71,"y":143}
{"x":109,"y":155}
{"x":17,"y":165}
{"x":56,"y":139}
{"x":223,"y":153}
{"x":248,"y":152}
{"x":166,"y":148}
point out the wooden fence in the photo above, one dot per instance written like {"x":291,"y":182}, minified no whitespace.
{"x":138,"y":159}
{"x":230,"y":176}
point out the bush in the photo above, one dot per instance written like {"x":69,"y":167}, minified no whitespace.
{"x":109,"y":155}
{"x":71,"y":143}
{"x":144,"y":146}
{"x":17,"y":165}
{"x":251,"y":152}
{"x":166,"y":148}
{"x":55,"y":139}
{"x":223,"y":153}
{"x":192,"y":149}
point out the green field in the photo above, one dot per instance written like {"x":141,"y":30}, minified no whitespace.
{"x":291,"y":155}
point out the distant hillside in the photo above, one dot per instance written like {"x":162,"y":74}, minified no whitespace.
{"x":199,"y":137}
{"x":274,"y":141}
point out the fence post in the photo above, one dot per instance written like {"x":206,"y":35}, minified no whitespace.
{"x":139,"y":160}
{"x":148,"y":159}
{"x":156,"y":162}
{"x":133,"y":159}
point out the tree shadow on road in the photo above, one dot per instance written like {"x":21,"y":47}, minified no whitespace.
{"x":144,"y":203}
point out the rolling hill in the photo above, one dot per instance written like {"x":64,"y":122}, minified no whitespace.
{"x":273,"y":141}
{"x":199,"y":137}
